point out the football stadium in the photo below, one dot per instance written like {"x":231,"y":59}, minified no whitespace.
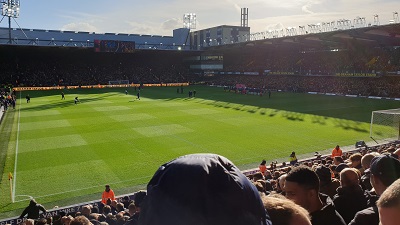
{"x":82,"y":110}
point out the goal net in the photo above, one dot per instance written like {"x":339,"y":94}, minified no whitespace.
{"x":117,"y":82}
{"x":385,"y":125}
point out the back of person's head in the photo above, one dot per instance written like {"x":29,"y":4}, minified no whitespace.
{"x":114,"y":203}
{"x":260,"y":186}
{"x":338,"y":159}
{"x":349,"y":178}
{"x":391,"y":196}
{"x":80,"y":220}
{"x":258,"y":176}
{"x":138,"y":198}
{"x":283,"y":211}
{"x":95,"y":209}
{"x":386,"y":168}
{"x":201,"y":189}
{"x":106,"y":209}
{"x":122,"y":220}
{"x":111,"y":219}
{"x":29,"y":222}
{"x":367,"y":158}
{"x":32,"y":202}
{"x":86,"y":210}
{"x":132,"y":209}
{"x":304,"y":176}
{"x":355,"y":157}
{"x":41,"y":221}
{"x":389,"y":204}
{"x":120,"y":207}
{"x":341,"y":167}
{"x":324,"y":174}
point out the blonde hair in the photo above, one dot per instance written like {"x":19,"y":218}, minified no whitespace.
{"x":282,"y":210}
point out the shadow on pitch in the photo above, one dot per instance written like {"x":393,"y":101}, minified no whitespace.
{"x":59,"y":104}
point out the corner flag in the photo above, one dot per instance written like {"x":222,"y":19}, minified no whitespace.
{"x":10,"y":176}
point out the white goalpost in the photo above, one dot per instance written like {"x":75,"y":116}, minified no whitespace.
{"x":385,"y":125}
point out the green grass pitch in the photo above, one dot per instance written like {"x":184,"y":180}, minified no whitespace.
{"x":66,"y":153}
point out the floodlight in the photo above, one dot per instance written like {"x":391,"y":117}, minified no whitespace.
{"x":189,"y":20}
{"x":10,"y":8}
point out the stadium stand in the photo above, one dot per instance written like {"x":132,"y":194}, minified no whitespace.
{"x":53,"y":66}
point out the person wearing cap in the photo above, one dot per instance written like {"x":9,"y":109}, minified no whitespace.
{"x":389,"y":204}
{"x":302,"y":187}
{"x":108,"y":193}
{"x":201,"y":189}
{"x":350,"y":197}
{"x":337,"y":152}
{"x":384,"y":171}
{"x":339,"y":169}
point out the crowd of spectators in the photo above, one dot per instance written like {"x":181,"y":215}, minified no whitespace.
{"x":29,"y":66}
{"x":341,"y":188}
{"x":314,"y":61}
{"x":209,"y":189}
{"x":385,"y":86}
{"x":315,"y":71}
{"x":7,"y":99}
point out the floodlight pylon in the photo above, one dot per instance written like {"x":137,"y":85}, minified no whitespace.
{"x":10,"y":9}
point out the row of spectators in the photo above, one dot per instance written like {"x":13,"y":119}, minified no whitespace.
{"x":317,"y":62}
{"x":386,"y":86}
{"x":208,"y":189}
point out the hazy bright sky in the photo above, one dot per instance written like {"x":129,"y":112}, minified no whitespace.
{"x":160,"y":17}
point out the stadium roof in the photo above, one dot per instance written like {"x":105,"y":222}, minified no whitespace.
{"x":374,"y":36}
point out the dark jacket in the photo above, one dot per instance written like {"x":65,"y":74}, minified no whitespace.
{"x":201,"y":189}
{"x":329,"y":188}
{"x":327,"y":215}
{"x":349,"y":200}
{"x":33,"y":210}
{"x":365,"y":180}
{"x":368,"y":216}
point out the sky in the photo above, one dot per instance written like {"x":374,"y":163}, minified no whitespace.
{"x":160,"y":17}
